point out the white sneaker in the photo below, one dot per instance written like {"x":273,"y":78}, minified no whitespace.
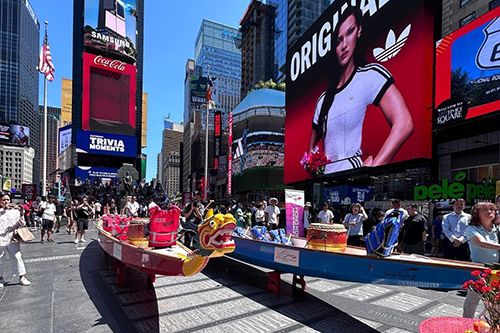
{"x":83,"y":240}
{"x":24,"y":281}
{"x":76,"y":241}
{"x":2,"y":283}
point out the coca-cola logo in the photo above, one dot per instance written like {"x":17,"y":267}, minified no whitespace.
{"x":113,"y":64}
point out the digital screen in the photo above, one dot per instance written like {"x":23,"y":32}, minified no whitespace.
{"x":64,"y":138}
{"x":106,"y":144}
{"x":359,"y":89}
{"x":14,"y":134}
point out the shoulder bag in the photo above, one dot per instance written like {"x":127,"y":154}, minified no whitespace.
{"x":22,"y":235}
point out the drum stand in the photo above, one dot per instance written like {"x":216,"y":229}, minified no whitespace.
{"x":274,"y":283}
{"x":120,"y":275}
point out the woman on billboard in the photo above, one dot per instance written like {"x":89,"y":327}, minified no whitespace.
{"x":352,"y":86}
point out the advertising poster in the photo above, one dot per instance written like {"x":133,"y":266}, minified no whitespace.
{"x":294,"y":202}
{"x":198,"y":90}
{"x":64,"y":138}
{"x":14,"y":134}
{"x":345,"y":195}
{"x":66,"y":102}
{"x":106,"y":144}
{"x":230,"y":154}
{"x":109,"y":88}
{"x":359,"y":88}
{"x":29,"y":191}
{"x":105,"y":175}
{"x":468,"y":71}
{"x":110,"y":28}
{"x":144,"y":122}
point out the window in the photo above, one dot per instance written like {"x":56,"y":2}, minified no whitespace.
{"x":468,"y":19}
{"x":465,"y":2}
{"x":494,"y":4}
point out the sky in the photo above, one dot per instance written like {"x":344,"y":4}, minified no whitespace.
{"x":170,"y":30}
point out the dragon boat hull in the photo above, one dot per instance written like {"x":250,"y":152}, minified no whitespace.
{"x":163,"y":262}
{"x":354,"y":264}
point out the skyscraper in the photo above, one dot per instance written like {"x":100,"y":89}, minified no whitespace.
{"x":19,"y":49}
{"x":53,"y":124}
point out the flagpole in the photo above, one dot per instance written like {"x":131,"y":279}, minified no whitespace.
{"x":205,"y":190}
{"x":44,"y":168}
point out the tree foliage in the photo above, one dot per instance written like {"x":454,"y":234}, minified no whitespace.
{"x":269,"y":84}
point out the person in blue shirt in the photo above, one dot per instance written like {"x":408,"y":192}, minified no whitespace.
{"x":454,"y":225}
{"x":484,"y":246}
{"x":436,"y":231}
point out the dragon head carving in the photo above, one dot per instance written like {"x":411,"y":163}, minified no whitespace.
{"x":215,"y":233}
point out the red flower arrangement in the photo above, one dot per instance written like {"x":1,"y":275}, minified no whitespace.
{"x":487,"y":285}
{"x":314,"y":162}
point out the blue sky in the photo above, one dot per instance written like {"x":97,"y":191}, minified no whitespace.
{"x":170,"y":31}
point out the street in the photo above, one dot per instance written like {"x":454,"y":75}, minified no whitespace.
{"x":73,"y":290}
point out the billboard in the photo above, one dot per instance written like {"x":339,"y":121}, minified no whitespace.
{"x":83,"y":173}
{"x":29,"y":191}
{"x":106,"y":144}
{"x":144,"y":120}
{"x":468,"y":71}
{"x":217,"y":133}
{"x":14,"y":134}
{"x":110,"y":28}
{"x":66,"y":101}
{"x":198,"y":90}
{"x":64,"y":138}
{"x":359,"y":88}
{"x":347,"y":194}
{"x":108,"y":103}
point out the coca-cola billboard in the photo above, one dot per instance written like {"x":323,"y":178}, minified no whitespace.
{"x":109,"y":89}
{"x":110,"y":63}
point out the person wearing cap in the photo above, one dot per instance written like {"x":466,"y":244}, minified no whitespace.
{"x":272,"y":214}
{"x":414,"y":233}
{"x":48,"y":209}
{"x":307,"y":216}
{"x":436,"y":232}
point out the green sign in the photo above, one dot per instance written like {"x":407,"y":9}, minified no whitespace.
{"x":471,"y":192}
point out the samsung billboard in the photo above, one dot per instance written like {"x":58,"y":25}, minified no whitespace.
{"x":359,"y":88}
{"x":106,"y":144}
{"x":468,"y":71}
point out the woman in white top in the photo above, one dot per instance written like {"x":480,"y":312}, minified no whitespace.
{"x":352,"y":86}
{"x":354,"y":224}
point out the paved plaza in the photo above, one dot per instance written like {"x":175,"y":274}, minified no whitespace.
{"x":73,"y":290}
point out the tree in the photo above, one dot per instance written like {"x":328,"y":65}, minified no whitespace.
{"x":269,"y":84}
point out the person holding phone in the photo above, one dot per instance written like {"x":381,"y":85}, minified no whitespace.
{"x":353,"y":221}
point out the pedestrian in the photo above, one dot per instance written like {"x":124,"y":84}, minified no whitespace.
{"x":260,"y":215}
{"x":240,"y":217}
{"x":337,"y":215}
{"x":483,"y":239}
{"x":84,"y":212}
{"x":272,"y":214}
{"x":193,"y":214}
{"x":454,"y":226}
{"x":397,"y":206}
{"x":48,"y":209}
{"x":326,"y":215}
{"x":354,"y":223}
{"x":124,"y":209}
{"x":308,"y":216}
{"x":98,"y":209}
{"x":11,"y":219}
{"x":59,"y":213}
{"x":436,"y":232}
{"x":414,"y":233}
{"x":113,"y":209}
{"x":132,"y":207}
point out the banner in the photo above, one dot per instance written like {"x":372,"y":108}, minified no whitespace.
{"x":29,"y":191}
{"x":105,"y":175}
{"x":198,"y":90}
{"x":66,"y":102}
{"x":106,"y":144}
{"x":229,"y":154}
{"x":294,"y":201}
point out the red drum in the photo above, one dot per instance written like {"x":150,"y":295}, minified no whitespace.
{"x":135,"y":233}
{"x":328,"y":237}
{"x":163,"y":226}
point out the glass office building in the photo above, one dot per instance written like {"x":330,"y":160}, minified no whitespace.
{"x":19,"y":49}
{"x":280,"y":37}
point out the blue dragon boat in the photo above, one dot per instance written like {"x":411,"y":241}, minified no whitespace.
{"x":354,"y":264}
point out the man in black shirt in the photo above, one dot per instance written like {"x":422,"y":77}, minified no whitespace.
{"x":59,"y":213}
{"x":193,"y":213}
{"x":414,"y":233}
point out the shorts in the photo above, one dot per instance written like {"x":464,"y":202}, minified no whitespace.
{"x":82,"y":224}
{"x":47,"y":224}
{"x":436,"y":242}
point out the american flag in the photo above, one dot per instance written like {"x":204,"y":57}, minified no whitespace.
{"x":45,"y":65}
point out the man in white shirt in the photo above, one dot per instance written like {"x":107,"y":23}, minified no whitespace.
{"x":396,"y":206}
{"x":454,"y":224}
{"x":48,"y":217}
{"x":272,"y":214}
{"x":326,"y":215}
{"x":132,"y":207}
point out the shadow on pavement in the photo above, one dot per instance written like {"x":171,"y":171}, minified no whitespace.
{"x":121,"y":306}
{"x":302,"y":307}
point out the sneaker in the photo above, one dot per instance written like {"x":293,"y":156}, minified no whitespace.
{"x":24,"y":281}
{"x":57,"y":231}
{"x":83,"y":240}
{"x":2,"y":283}
{"x":76,"y":241}
{"x":42,"y":241}
{"x":50,"y":240}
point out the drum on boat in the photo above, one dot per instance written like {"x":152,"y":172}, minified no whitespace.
{"x":328,"y":237}
{"x":135,"y":233}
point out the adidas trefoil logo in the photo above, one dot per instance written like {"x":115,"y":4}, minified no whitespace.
{"x":392,"y":47}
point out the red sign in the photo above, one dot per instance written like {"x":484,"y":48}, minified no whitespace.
{"x":230,"y":153}
{"x":29,"y":191}
{"x":110,"y":63}
{"x":467,"y":67}
{"x":217,"y":124}
{"x":362,"y":96}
